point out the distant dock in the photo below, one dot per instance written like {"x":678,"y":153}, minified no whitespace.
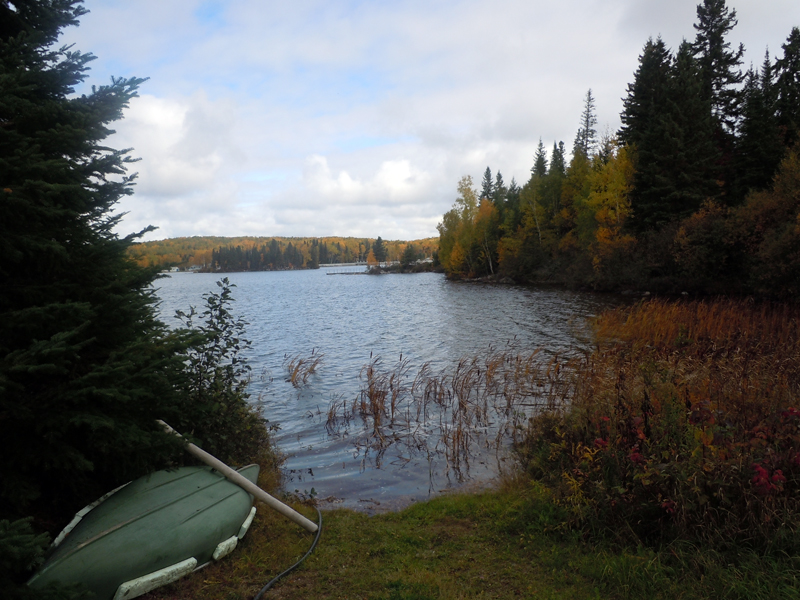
{"x":346,"y":269}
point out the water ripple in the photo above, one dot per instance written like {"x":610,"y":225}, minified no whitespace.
{"x":351,"y":319}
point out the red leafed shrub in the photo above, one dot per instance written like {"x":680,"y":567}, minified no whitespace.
{"x":687,"y":425}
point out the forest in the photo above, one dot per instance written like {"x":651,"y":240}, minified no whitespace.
{"x":221,"y":254}
{"x":698,"y":191}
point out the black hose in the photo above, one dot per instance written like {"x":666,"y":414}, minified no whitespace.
{"x":297,"y":564}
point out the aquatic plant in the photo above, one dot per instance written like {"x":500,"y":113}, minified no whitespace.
{"x":299,"y":368}
{"x":458,"y":413}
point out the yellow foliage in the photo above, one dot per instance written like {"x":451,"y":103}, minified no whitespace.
{"x":456,"y":259}
{"x":486,"y":212}
{"x":611,"y":185}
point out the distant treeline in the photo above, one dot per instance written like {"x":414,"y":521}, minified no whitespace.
{"x":222,"y":254}
{"x":698,"y":191}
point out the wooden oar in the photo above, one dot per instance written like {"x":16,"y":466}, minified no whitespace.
{"x":244,"y":483}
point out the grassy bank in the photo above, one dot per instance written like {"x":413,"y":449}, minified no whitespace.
{"x":501,"y":544}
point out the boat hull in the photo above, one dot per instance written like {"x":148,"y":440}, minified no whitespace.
{"x":153,"y":523}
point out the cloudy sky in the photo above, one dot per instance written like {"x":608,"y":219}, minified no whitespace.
{"x":357,"y":118}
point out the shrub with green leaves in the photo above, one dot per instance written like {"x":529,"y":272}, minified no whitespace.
{"x":216,"y":410}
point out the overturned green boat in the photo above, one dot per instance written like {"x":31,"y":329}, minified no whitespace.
{"x":150,"y":532}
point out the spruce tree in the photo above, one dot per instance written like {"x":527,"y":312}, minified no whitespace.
{"x":511,"y":219}
{"x":787,"y":84}
{"x":647,"y":94}
{"x":558,"y":161}
{"x":760,"y":143}
{"x":487,"y":185}
{"x":552,"y":183}
{"x":499,"y":191}
{"x":675,"y":150}
{"x":719,"y":65}
{"x":643,"y":131}
{"x":586,"y":138}
{"x":691,"y":157}
{"x":84,"y":364}
{"x":539,"y":168}
{"x":409,"y":256}
{"x":380,"y":250}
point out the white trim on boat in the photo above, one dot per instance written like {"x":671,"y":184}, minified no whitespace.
{"x":82,"y":513}
{"x":146,"y":583}
{"x":224,"y":548}
{"x":247,"y":522}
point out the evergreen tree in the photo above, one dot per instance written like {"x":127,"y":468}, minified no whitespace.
{"x":499,"y":191}
{"x":487,"y":185}
{"x":719,"y":65}
{"x":676,"y":154}
{"x":586,"y":138}
{"x":84,"y":370}
{"x":558,"y":161}
{"x":691,"y":157}
{"x":760,"y":144}
{"x":512,"y":213}
{"x":787,"y":74}
{"x":274,"y":255}
{"x":409,"y":256}
{"x":551,"y":185}
{"x":313,"y":261}
{"x":380,"y":250}
{"x":647,"y":94}
{"x":539,"y":168}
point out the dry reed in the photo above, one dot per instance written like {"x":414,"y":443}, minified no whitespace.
{"x":299,"y":368}
{"x":456,"y":413}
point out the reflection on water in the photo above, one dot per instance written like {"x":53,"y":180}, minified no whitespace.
{"x":412,"y":331}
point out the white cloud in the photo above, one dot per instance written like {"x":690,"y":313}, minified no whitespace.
{"x":185,"y":144}
{"x":353,"y":118}
{"x":394,"y":182}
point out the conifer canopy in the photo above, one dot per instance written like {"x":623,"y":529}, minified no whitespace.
{"x":84,"y":366}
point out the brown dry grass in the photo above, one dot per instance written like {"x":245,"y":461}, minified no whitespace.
{"x":683,"y":422}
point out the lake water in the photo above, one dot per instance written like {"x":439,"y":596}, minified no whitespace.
{"x":350,"y":320}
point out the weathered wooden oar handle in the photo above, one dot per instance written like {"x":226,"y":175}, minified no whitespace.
{"x":244,"y":483}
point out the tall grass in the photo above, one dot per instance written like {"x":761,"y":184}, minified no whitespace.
{"x":457,"y":413}
{"x":684,"y":423}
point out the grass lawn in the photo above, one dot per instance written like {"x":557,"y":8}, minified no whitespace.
{"x":498,"y":544}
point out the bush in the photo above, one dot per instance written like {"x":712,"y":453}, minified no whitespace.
{"x":20,"y":551}
{"x":216,"y":410}
{"x":685,"y":426}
